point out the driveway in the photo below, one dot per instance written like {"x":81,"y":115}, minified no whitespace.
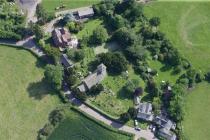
{"x":138,"y":134}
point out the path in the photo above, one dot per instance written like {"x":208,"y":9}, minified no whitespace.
{"x":27,"y":43}
{"x":48,"y":28}
{"x":138,"y":134}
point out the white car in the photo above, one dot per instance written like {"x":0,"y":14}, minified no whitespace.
{"x":135,"y":122}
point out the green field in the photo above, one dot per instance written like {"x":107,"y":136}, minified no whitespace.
{"x":25,"y":99}
{"x":186,"y":24}
{"x":50,"y":5}
{"x":78,"y":127}
{"x":197,"y":123}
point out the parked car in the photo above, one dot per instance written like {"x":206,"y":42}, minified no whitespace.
{"x":137,"y":128}
{"x":153,"y":129}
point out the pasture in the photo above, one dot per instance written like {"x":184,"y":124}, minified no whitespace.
{"x":50,"y":5}
{"x":186,"y":24}
{"x":78,"y":127}
{"x":25,"y":99}
{"x":196,"y":123}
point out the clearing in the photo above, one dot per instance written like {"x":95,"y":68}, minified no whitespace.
{"x":25,"y":99}
{"x":76,"y":127}
{"x":186,"y":24}
{"x":50,"y":5}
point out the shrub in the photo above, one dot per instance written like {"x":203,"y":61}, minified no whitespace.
{"x":207,"y":76}
{"x":47,"y":129}
{"x":56,"y":116}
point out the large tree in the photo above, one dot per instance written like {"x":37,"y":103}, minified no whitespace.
{"x":54,"y":75}
{"x":125,"y":37}
{"x":115,"y":62}
{"x":100,"y":35}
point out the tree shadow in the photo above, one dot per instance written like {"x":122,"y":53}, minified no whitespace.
{"x":147,"y":98}
{"x":165,"y":68}
{"x":39,"y":90}
{"x":122,"y":94}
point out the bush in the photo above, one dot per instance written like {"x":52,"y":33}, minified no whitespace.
{"x":47,"y":129}
{"x":207,"y":76}
{"x":177,"y":69}
{"x":56,"y":116}
{"x":95,"y":90}
{"x":75,"y":27}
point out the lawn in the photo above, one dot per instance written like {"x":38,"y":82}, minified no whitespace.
{"x":78,"y":127}
{"x":197,"y":123}
{"x":89,"y":27}
{"x":25,"y":99}
{"x":186,"y":24}
{"x":50,"y":5}
{"x":164,"y":73}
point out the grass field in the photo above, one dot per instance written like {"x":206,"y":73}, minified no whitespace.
{"x":78,"y":127}
{"x":186,"y":24}
{"x":25,"y":99}
{"x":50,"y":5}
{"x":197,"y":123}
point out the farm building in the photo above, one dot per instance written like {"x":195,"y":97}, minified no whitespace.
{"x":63,"y":39}
{"x":145,"y":112}
{"x":93,"y":79}
{"x":85,"y":13}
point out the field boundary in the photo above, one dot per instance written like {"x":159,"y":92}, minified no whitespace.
{"x":101,"y":123}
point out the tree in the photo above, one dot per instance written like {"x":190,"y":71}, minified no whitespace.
{"x":118,"y":22}
{"x":115,"y":62}
{"x":100,"y":35}
{"x":125,"y":37}
{"x":76,"y":54}
{"x":54,"y":75}
{"x":125,"y":117}
{"x":72,"y":80}
{"x":130,"y":87}
{"x":38,"y":31}
{"x":43,"y":15}
{"x":132,"y":112}
{"x":155,"y":21}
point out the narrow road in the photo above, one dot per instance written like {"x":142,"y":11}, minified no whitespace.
{"x":27,"y":43}
{"x":147,"y":134}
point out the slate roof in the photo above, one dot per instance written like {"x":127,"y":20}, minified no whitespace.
{"x":95,"y":78}
{"x":145,"y":111}
{"x":65,"y":61}
{"x":85,"y":12}
{"x":167,"y":134}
